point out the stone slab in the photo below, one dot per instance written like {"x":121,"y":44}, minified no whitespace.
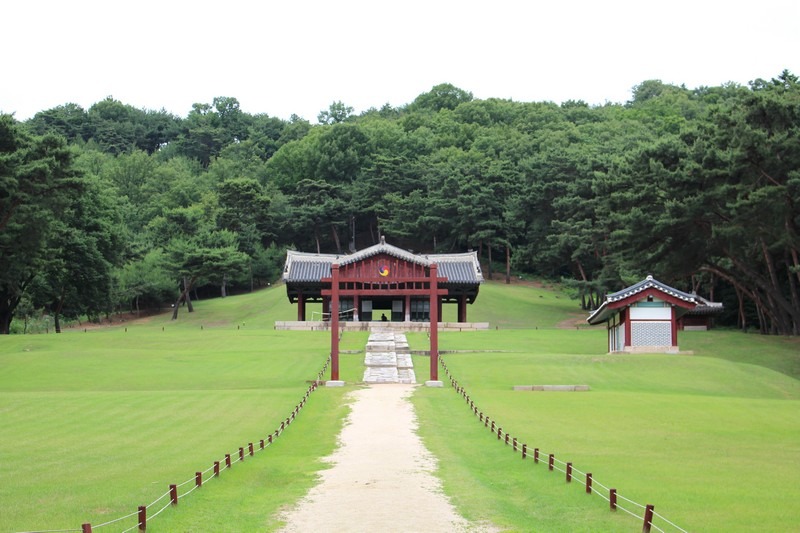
{"x":555,"y":388}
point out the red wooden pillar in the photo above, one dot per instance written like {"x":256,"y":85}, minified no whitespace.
{"x":626,"y":316}
{"x":674,"y":326}
{"x":434,"y":317}
{"x":334,"y":322}
{"x":301,"y":308}
{"x":356,"y":318}
{"x":462,"y":308}
{"x":407,"y":310}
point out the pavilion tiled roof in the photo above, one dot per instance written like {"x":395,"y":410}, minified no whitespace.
{"x":602,"y":313}
{"x":305,"y":267}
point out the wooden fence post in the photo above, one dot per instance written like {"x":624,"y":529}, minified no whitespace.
{"x":648,"y":518}
{"x":241,"y":454}
{"x":524,"y":451}
{"x":550,"y":462}
{"x":499,"y":432}
{"x":142,"y":518}
{"x":251,"y":448}
{"x":569,"y":472}
{"x":514,"y":443}
{"x":589,"y":483}
{"x":86,"y":528}
{"x":536,"y":455}
{"x":173,"y":494}
{"x":216,"y":468}
{"x":612,"y":499}
{"x":227,"y":460}
{"x":198,"y":479}
{"x":261,"y":444}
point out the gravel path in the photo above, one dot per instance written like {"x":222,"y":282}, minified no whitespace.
{"x":381,"y":478}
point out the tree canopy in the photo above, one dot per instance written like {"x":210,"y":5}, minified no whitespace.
{"x":111,"y":207}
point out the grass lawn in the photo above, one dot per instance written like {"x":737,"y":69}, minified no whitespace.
{"x":711,"y":439}
{"x":97,"y":423}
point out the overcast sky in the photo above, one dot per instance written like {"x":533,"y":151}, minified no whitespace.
{"x":299,"y":56}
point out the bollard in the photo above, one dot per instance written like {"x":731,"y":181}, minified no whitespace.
{"x":227,"y":460}
{"x":142,"y":518}
{"x":648,"y":518}
{"x":536,"y":455}
{"x":550,"y":462}
{"x":86,"y":528}
{"x":173,"y":494}
{"x":589,"y":483}
{"x":198,"y":479}
{"x":569,"y":472}
{"x":524,"y":451}
{"x":216,"y":468}
{"x":612,"y":499}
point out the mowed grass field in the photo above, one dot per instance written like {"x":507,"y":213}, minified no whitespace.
{"x":96,"y":423}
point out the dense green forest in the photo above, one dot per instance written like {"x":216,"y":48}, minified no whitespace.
{"x":116,"y":208}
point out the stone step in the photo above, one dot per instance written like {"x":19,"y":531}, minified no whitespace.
{"x":388,"y":359}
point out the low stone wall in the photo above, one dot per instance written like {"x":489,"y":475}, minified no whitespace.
{"x":382,"y":326}
{"x":557,"y":388}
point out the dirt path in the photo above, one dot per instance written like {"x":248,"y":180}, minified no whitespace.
{"x":381,"y":479}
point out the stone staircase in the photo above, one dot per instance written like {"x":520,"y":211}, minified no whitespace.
{"x":388,"y":358}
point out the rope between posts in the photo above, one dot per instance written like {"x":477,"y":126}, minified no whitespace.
{"x":49,"y":531}
{"x":668,"y":522}
{"x":159,"y":511}
{"x":158,"y":500}
{"x":620,"y":496}
{"x":120,"y":519}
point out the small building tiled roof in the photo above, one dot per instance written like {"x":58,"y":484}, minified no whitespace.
{"x":607,"y":309}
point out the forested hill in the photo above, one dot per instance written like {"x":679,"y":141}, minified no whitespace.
{"x":114,"y":207}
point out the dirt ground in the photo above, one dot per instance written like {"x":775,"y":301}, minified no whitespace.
{"x":381,"y":477}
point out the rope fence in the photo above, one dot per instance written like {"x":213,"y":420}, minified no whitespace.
{"x":646,"y":513}
{"x":200,"y":478}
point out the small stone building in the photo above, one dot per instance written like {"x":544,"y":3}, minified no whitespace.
{"x":645,"y":316}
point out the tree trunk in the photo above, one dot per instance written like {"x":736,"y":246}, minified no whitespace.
{"x":508,"y":264}
{"x":336,"y":239}
{"x":59,"y":307}
{"x":489,"y":254}
{"x":184,"y":297}
{"x":5,"y":321}
{"x":223,"y":289}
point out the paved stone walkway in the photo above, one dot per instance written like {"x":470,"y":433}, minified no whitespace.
{"x":388,"y":359}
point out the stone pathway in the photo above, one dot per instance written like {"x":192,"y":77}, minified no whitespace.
{"x":381,"y":477}
{"x":388,"y":359}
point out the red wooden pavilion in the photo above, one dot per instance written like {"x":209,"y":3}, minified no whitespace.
{"x":400,"y":285}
